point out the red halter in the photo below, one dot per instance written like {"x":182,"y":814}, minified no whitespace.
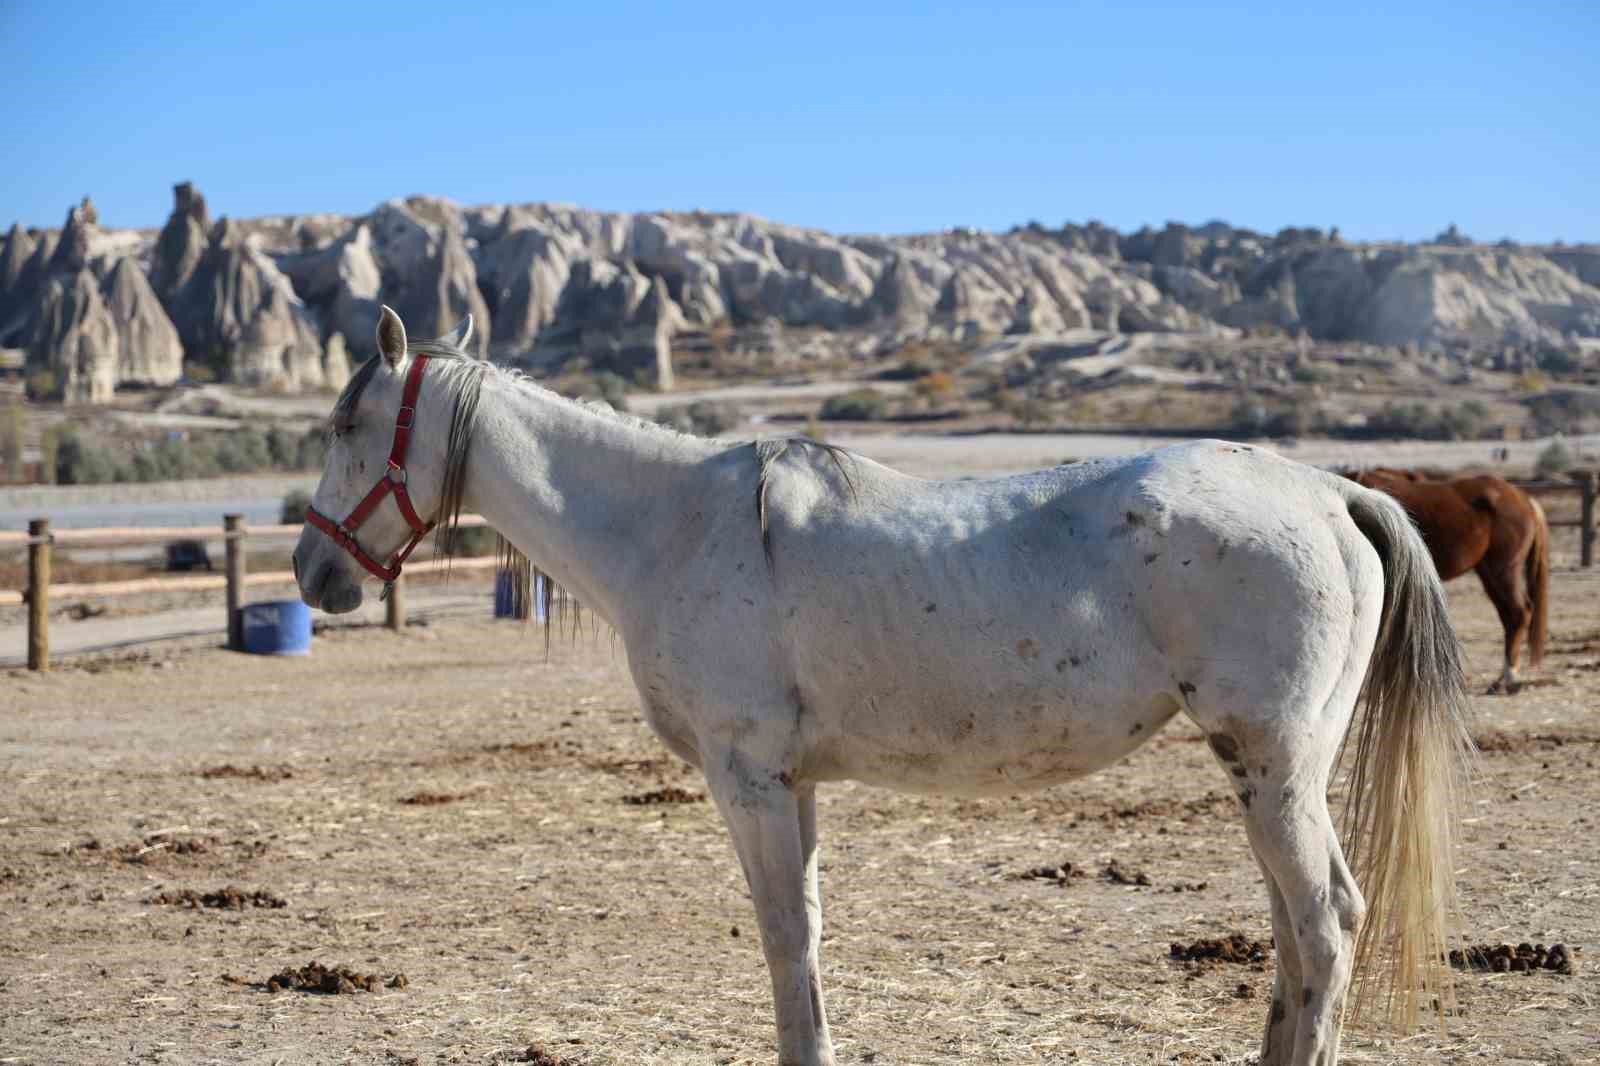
{"x":394,"y":480}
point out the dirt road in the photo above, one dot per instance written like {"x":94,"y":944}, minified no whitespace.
{"x":502,"y":830}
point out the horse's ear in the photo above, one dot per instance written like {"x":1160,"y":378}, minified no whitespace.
{"x":391,"y":336}
{"x":458,"y":337}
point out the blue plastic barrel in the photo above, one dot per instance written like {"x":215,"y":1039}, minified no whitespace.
{"x":276,"y":627}
{"x":505,"y":595}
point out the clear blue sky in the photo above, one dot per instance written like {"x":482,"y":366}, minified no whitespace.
{"x":1389,"y":120}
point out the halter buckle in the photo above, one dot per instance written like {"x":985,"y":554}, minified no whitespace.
{"x":406,"y":418}
{"x":397,"y":473}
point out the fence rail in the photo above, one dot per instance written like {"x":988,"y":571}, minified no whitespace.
{"x":40,"y":540}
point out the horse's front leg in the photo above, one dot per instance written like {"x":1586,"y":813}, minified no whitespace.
{"x":774,"y":831}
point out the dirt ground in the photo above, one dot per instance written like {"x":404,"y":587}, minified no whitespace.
{"x":489,"y":859}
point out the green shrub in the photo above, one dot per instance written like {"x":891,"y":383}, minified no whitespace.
{"x":294,"y":507}
{"x":860,"y":405}
{"x":469,"y":541}
{"x":613,"y":389}
{"x":49,"y":446}
{"x":284,"y":448}
{"x":11,"y":442}
{"x":312,"y":451}
{"x":1554,"y":459}
{"x":702,"y":418}
{"x":198,"y":373}
{"x":42,"y":385}
{"x":243,"y":451}
{"x":1463,"y":421}
{"x":83,"y":461}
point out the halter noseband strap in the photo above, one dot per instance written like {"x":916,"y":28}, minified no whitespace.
{"x":394,"y":481}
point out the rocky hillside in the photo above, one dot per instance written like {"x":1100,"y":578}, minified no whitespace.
{"x":279,"y":301}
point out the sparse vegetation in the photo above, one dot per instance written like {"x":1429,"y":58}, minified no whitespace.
{"x":613,"y":389}
{"x":1462,"y":421}
{"x":1563,"y":411}
{"x":71,"y":456}
{"x":198,"y":373}
{"x":11,"y":442}
{"x":1554,"y":459}
{"x":701,"y":418}
{"x":858,"y":405}
{"x":937,"y":387}
{"x":294,"y":507}
{"x":41,"y":385}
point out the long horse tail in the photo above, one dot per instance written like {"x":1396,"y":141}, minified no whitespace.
{"x":1412,"y":756}
{"x":1538,"y":574}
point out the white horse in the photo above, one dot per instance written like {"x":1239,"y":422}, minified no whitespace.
{"x":794,"y":614}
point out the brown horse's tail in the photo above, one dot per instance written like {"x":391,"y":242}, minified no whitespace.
{"x":1412,"y":753}
{"x":1538,"y":571}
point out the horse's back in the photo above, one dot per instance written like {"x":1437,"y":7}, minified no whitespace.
{"x":1026,"y":629}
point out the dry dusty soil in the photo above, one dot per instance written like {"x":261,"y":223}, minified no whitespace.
{"x":491,"y":860}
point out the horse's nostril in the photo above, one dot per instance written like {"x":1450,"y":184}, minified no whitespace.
{"x":294,"y":566}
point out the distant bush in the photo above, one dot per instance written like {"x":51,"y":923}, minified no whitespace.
{"x":935,"y":387}
{"x":1253,"y":418}
{"x":311,"y":452}
{"x":860,"y":405}
{"x":702,"y":418}
{"x":293,"y":509}
{"x":11,"y":442}
{"x":198,"y":373}
{"x":243,"y":451}
{"x":1560,"y":361}
{"x":613,"y":389}
{"x":82,"y":460}
{"x":469,"y":541}
{"x":283,"y":447}
{"x":1563,"y":411}
{"x":49,"y":445}
{"x":72,"y":456}
{"x":1464,"y":421}
{"x":1554,"y":458}
{"x":42,"y":385}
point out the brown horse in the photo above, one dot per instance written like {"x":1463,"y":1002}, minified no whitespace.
{"x":1487,"y":524}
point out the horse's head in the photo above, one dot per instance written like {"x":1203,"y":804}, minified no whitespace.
{"x":384,"y":482}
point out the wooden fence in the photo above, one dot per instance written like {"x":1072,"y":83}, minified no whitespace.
{"x":1584,"y":484}
{"x":40,"y":540}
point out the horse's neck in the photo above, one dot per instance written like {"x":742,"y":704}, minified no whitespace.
{"x":577,"y":491}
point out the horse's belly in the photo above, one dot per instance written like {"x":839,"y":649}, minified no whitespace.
{"x":981,"y":747}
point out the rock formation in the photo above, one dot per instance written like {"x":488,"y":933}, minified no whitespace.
{"x":19,"y":248}
{"x":428,"y":274}
{"x":148,"y":349}
{"x":95,"y":331}
{"x":182,"y":242}
{"x":341,"y":282}
{"x":263,"y":300}
{"x":76,"y":337}
{"x":239,"y":309}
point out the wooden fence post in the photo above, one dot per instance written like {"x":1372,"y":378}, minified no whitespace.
{"x":1586,"y":532}
{"x":233,"y":545}
{"x":394,"y":605}
{"x":39,"y":594}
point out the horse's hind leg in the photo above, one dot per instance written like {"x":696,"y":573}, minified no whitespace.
{"x":774,"y":831}
{"x":1279,"y":768}
{"x":1277,"y":1044}
{"x":1507,"y":588}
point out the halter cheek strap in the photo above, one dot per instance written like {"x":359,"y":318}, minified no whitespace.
{"x":393,"y":483}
